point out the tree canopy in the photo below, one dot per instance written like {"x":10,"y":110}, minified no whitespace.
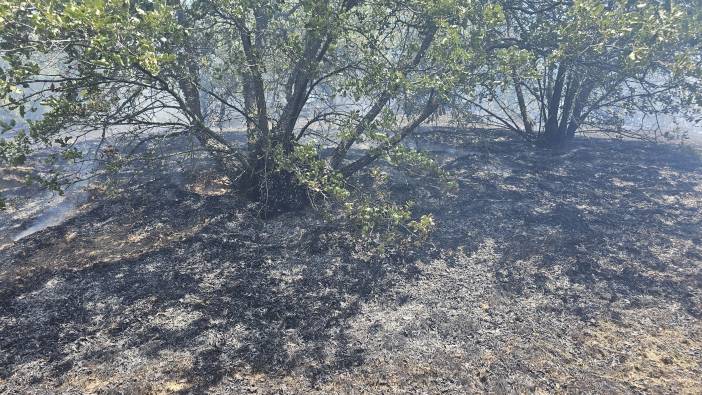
{"x":323,"y":89}
{"x":557,"y":66}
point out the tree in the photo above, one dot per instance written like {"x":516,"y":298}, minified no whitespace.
{"x":302,"y":77}
{"x":558,"y":66}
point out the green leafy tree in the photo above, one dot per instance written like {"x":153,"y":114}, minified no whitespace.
{"x":555,"y":67}
{"x":321,"y":87}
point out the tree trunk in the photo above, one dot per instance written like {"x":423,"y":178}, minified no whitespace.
{"x":571,"y":90}
{"x":578,"y":107}
{"x":552,"y":134}
{"x":277,"y":189}
{"x":528,"y":129}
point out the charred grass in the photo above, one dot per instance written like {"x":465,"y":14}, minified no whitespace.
{"x":577,"y":270}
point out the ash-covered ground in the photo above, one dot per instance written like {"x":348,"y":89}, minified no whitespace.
{"x":571,"y":271}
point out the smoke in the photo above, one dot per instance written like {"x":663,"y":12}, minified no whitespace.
{"x":60,"y":209}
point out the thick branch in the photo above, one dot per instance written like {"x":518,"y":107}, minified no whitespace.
{"x":368,"y":158}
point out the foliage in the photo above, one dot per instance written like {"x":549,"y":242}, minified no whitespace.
{"x":558,"y":66}
{"x":312,"y":83}
{"x":320,"y":90}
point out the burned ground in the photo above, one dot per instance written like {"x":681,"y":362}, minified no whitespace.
{"x":572,"y":271}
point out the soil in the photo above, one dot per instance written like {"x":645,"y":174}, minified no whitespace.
{"x":577,"y":270}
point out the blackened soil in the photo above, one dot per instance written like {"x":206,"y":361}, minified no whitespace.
{"x":570,"y":271}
